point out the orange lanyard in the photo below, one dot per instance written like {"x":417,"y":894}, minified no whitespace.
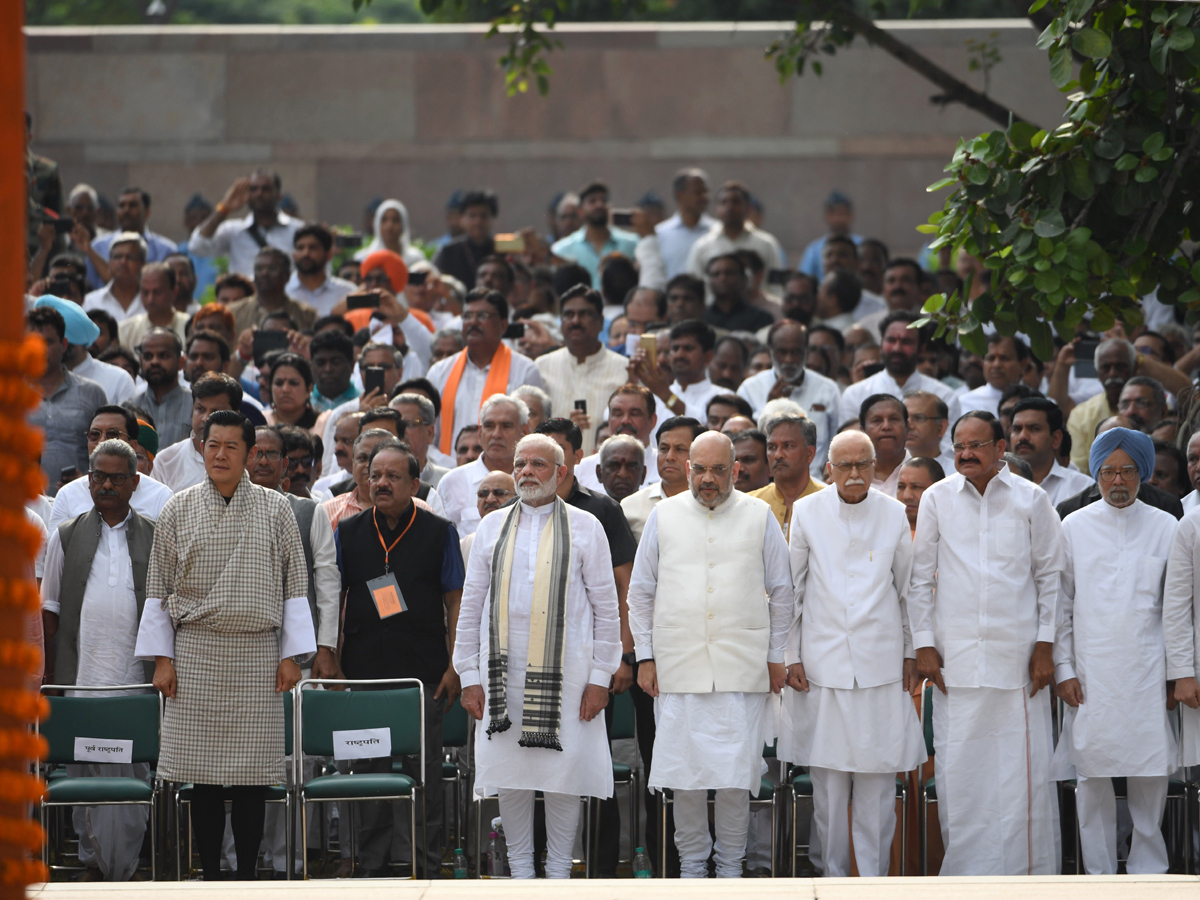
{"x":386,"y":549}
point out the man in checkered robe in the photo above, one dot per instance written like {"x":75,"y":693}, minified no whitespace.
{"x":226,"y":611}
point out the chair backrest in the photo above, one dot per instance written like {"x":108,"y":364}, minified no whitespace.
{"x":324,"y":712}
{"x":454,"y":726}
{"x":927,"y":717}
{"x":136,"y":718}
{"x":624,"y":723}
{"x":770,"y":751}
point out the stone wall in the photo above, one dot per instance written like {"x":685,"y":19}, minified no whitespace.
{"x":415,"y":112}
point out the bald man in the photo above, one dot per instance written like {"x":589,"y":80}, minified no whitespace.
{"x":710,"y":602}
{"x":495,"y":490}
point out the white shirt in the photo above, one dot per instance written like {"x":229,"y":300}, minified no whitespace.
{"x":179,"y":466}
{"x":695,"y":398}
{"x":1190,"y":502}
{"x":883,"y":383}
{"x":1061,"y":483}
{"x":469,"y":396}
{"x":324,"y":297}
{"x":593,"y":381}
{"x":117,"y":383}
{"x":637,"y":507}
{"x":820,"y":398}
{"x":104,"y":299}
{"x":851,"y":564}
{"x":675,"y":241}
{"x":1181,"y":627}
{"x":984,"y":397}
{"x":889,"y":485}
{"x":716,"y":243}
{"x":148,"y":499}
{"x":996,"y":562}
{"x":652,"y":273}
{"x":457,"y":491}
{"x":108,"y":618}
{"x":232,"y":239}
{"x":586,"y":471}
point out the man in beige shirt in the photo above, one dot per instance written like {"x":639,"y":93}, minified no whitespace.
{"x":791,"y":445}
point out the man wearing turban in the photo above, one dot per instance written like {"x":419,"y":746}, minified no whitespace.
{"x":1110,"y":659}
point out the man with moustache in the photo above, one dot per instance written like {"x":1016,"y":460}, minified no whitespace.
{"x":1144,"y":401}
{"x":791,"y":444}
{"x":631,"y":410}
{"x":420,"y":424}
{"x":504,"y":420}
{"x":545,"y":684}
{"x":484,"y":368}
{"x":416,"y":553}
{"x":901,"y":291}
{"x":495,"y":491}
{"x":382,"y":356}
{"x":622,"y":466}
{"x":1003,"y":365}
{"x":675,"y":438}
{"x":355,"y":501}
{"x":710,"y":604}
{"x":1036,"y":435}
{"x":788,"y":378}
{"x":344,"y":433}
{"x":885,"y":421}
{"x":161,"y":354}
{"x":1115,"y":554}
{"x":991,"y":543}
{"x":849,"y":714}
{"x":754,"y":470}
{"x":1116,"y":361}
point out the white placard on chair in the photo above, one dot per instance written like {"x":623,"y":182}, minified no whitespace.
{"x":106,"y":750}
{"x":362,"y":743}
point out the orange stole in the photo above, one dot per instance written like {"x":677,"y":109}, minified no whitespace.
{"x":496,"y":383}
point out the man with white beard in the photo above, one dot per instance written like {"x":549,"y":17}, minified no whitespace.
{"x":539,"y":627}
{"x":850,"y":712}
{"x":709,"y":605}
{"x":1110,"y":658}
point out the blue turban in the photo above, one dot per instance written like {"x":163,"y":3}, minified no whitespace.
{"x":1139,"y":447}
{"x":80,"y":328}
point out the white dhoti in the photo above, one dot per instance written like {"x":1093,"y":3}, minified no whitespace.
{"x":997,"y":805}
{"x":711,"y":742}
{"x":110,"y":837}
{"x":873,"y":733}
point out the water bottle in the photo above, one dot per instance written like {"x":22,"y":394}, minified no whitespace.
{"x":494,"y":863}
{"x":502,"y":869}
{"x":460,"y":863}
{"x":641,"y":864}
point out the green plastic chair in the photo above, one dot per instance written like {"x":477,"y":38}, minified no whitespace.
{"x":400,"y":707}
{"x":276,"y":793}
{"x":136,"y":717}
{"x":455,"y":733}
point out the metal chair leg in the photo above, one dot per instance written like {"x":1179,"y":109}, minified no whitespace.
{"x":903,"y":827}
{"x":153,"y":841}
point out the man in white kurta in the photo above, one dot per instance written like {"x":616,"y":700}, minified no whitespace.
{"x":590,"y":654}
{"x":991,"y":544}
{"x":850,"y":713}
{"x":1110,"y":658}
{"x":1181,"y":626}
{"x":709,"y":605}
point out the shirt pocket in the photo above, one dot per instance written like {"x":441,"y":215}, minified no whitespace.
{"x":882,"y":556}
{"x":1008,"y":538}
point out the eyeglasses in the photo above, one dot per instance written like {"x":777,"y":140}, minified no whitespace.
{"x":112,"y":434}
{"x":704,"y":470}
{"x":271,"y":455}
{"x":302,"y":461}
{"x":921,"y":420}
{"x":1129,"y":474}
{"x":479,"y":316}
{"x":98,"y":477}
{"x":973,"y":446}
{"x":1139,"y":402}
{"x":414,"y":423}
{"x":861,"y":465}
{"x":498,"y":493}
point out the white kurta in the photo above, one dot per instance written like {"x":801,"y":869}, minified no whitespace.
{"x":179,"y":466}
{"x":591,"y":654}
{"x":715,"y":740}
{"x":851,"y":564}
{"x":148,"y":499}
{"x":1181,"y":624}
{"x":1110,"y":637}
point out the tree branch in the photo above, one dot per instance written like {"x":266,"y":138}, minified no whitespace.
{"x":1169,"y":187}
{"x":956,"y":90}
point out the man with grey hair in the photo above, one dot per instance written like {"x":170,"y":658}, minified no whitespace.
{"x":503,"y":420}
{"x":538,"y":401}
{"x":93,"y":591}
{"x":133,"y":210}
{"x":420,"y":423}
{"x":622,"y":466}
{"x":848,"y":714}
{"x":710,"y":603}
{"x":537,"y":652}
{"x":445,"y":342}
{"x":1143,"y":401}
{"x":121,"y":297}
{"x":791,"y":445}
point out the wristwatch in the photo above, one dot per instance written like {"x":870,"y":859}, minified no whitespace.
{"x":630,"y":658}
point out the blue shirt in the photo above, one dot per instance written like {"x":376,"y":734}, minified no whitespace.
{"x":576,"y":248}
{"x":158,"y":248}
{"x":321,"y":403}
{"x":810,"y":262}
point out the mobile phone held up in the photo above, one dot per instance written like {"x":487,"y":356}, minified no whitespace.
{"x":363,"y":300}
{"x":778,"y":276}
{"x":510,"y":243}
{"x":1085,"y":359}
{"x":373,"y":379}
{"x":622,"y":218}
{"x":266,"y":341}
{"x":515,"y":331}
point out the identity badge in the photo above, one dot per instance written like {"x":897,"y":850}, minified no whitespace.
{"x":385,"y":591}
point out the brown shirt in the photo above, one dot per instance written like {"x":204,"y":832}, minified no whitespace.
{"x":783,"y":512}
{"x":247,"y":313}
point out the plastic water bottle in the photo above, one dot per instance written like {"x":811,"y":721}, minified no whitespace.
{"x":502,"y":869}
{"x":460,"y":863}
{"x":641,"y":864}
{"x":495,"y":865}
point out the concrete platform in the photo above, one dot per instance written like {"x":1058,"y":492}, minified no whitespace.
{"x":1158,"y":887}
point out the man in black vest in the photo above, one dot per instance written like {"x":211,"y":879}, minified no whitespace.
{"x":404,"y":633}
{"x":93,"y":590}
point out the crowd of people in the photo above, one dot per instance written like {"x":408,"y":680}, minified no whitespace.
{"x":536,"y":470}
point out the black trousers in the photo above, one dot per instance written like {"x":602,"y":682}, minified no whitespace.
{"x":249,"y":805}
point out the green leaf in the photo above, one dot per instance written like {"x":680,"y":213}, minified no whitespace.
{"x":1196,"y":271}
{"x":1060,"y":67}
{"x":1091,"y":43}
{"x":1149,"y":173}
{"x":1020,"y":135}
{"x":1050,"y":224}
{"x":973,"y":340}
{"x":1078,"y":181}
{"x":1016,"y":276}
{"x":1109,"y":146}
{"x":938,"y":185}
{"x":927,"y":229}
{"x":978,"y":174}
{"x":1047,"y":281}
{"x":1188,"y":297}
{"x":1127,"y":162}
{"x":1037,"y":4}
{"x":1154,"y":142}
{"x":1181,"y":39}
{"x":934,"y":303}
{"x":1045,"y":246}
{"x":1103,"y":319}
{"x":1087,"y":77}
{"x":1162,"y":155}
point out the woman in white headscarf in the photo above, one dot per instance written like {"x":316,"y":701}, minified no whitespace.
{"x":391,"y":233}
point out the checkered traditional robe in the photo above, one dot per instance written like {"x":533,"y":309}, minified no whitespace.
{"x":223,"y":573}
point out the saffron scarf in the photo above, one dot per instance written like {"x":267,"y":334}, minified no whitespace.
{"x":496,"y":383}
{"x":541,"y":716}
